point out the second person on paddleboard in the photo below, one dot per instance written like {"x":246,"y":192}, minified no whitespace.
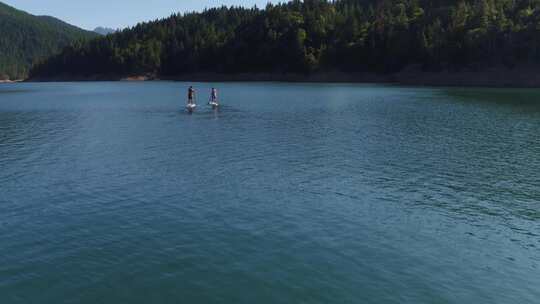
{"x":213,"y":95}
{"x":213,"y":98}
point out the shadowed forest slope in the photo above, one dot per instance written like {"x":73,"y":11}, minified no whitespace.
{"x":25,"y":39}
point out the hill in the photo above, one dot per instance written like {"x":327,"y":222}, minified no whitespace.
{"x":25,"y":39}
{"x":317,"y":36}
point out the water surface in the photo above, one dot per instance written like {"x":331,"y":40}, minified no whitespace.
{"x":291,"y":193}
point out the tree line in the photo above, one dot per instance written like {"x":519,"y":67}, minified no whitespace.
{"x":314,"y":36}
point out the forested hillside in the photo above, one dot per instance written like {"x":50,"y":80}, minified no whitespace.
{"x":25,"y":38}
{"x":316,"y":36}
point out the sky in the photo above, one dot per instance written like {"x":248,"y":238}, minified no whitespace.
{"x":90,"y":14}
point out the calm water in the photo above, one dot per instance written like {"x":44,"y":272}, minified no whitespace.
{"x":291,"y":193}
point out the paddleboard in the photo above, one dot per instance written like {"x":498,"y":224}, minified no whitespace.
{"x":214,"y":104}
{"x":191,"y":107}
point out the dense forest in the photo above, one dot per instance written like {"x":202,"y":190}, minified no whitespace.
{"x":312,"y":36}
{"x":25,"y":38}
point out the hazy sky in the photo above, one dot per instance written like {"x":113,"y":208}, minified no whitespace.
{"x":89,"y":14}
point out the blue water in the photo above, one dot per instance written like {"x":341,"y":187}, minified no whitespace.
{"x":290,"y":193}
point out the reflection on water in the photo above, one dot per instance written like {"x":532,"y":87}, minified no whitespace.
{"x":319,"y":193}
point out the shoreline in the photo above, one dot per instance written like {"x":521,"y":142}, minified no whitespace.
{"x":496,"y":77}
{"x":220,"y":77}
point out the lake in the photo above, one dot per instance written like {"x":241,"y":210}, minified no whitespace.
{"x":290,"y":193}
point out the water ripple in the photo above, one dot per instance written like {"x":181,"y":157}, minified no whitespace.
{"x":328,"y":193}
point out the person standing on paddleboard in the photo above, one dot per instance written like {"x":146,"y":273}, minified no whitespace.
{"x":191,"y":95}
{"x":213,"y":95}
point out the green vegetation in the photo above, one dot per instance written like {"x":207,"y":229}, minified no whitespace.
{"x":25,"y":38}
{"x":316,"y":36}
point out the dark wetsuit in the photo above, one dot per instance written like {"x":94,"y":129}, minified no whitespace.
{"x":191,"y":93}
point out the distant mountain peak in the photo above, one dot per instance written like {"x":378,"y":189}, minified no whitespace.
{"x":104,"y":30}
